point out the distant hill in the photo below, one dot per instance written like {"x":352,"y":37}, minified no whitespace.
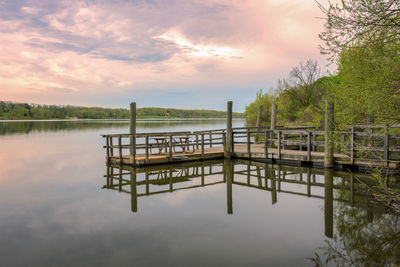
{"x":23,"y":111}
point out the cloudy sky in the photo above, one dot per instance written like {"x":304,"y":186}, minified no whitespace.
{"x":171,"y":53}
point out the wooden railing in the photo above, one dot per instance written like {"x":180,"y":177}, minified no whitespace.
{"x":356,"y":145}
{"x":382,"y":146}
{"x":165,"y":143}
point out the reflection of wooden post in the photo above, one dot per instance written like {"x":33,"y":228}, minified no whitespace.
{"x":328,"y":207}
{"x":308,"y":182}
{"x":108,"y":176}
{"x":279,"y":178}
{"x":274,"y":196}
{"x":329,"y":133}
{"x":248,"y":173}
{"x":202,"y":173}
{"x":229,"y":133}
{"x":120,"y":179}
{"x":133,"y":131}
{"x":273,"y":116}
{"x":352,"y":189}
{"x":147,"y":182}
{"x":171,"y":176}
{"x":229,"y":168}
{"x":133,"y":190}
{"x":352,"y":138}
{"x":259,"y":176}
{"x":258,"y":124}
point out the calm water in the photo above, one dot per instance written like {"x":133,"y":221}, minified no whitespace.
{"x":60,"y":205}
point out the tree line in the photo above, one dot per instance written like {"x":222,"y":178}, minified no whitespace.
{"x":24,"y":111}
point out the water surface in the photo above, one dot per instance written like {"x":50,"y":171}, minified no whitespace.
{"x":60,"y":205}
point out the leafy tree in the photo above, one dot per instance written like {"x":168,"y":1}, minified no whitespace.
{"x":251,"y":113}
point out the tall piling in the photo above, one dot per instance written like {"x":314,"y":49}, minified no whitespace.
{"x":329,"y":133}
{"x":229,"y":133}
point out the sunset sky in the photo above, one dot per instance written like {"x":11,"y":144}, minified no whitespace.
{"x":172,"y":53}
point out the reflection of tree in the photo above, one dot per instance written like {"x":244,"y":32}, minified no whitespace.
{"x":359,"y":241}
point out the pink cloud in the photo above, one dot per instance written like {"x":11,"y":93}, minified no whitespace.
{"x":78,"y":50}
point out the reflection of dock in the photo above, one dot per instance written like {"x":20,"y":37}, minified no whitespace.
{"x":276,"y":179}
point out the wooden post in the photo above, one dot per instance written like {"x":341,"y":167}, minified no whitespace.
{"x":279,"y":145}
{"x":108,"y":148}
{"x":258,"y":124}
{"x":301,"y":142}
{"x":224,"y":140}
{"x":133,"y":131}
{"x":202,"y":145}
{"x":273,"y":116}
{"x":266,"y":144}
{"x":329,"y":133}
{"x":197,"y":141}
{"x":229,"y":133}
{"x":210,"y":136}
{"x":309,"y":146}
{"x":314,"y":138}
{"x":248,"y":142}
{"x":170,"y":147}
{"x":147,"y":148}
{"x":111,"y":147}
{"x":352,"y":138}
{"x":120,"y":149}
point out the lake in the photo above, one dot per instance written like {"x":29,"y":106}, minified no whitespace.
{"x":61,"y":205}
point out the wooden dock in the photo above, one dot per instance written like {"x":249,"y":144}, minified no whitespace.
{"x":299,"y":146}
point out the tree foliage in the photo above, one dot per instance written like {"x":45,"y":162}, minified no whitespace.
{"x":359,"y":24}
{"x":298,"y":97}
{"x":364,"y":37}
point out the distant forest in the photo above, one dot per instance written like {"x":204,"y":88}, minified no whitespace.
{"x":23,"y":111}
